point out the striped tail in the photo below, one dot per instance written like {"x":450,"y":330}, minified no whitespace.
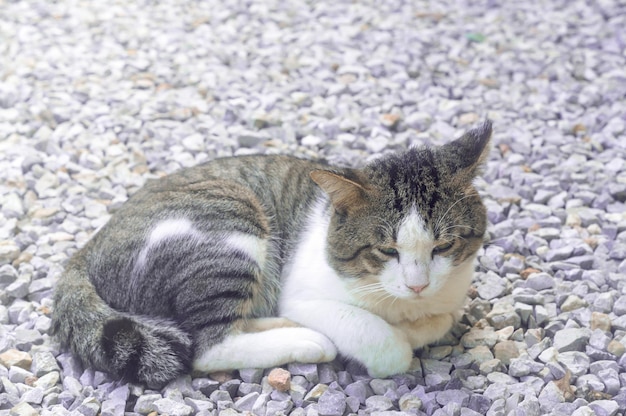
{"x":134,"y":348}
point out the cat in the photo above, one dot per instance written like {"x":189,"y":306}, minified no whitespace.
{"x":258,"y":261}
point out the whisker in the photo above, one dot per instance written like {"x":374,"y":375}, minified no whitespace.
{"x":387,"y":296}
{"x":459,"y":226}
{"x":453,"y":236}
{"x":367,"y":287}
{"x":371,"y":289}
{"x":370,"y":292}
{"x":387,"y":225}
{"x":443,"y":217}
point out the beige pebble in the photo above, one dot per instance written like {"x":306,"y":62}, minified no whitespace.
{"x":601,"y":321}
{"x":594,"y":229}
{"x":573,"y":220}
{"x":222,"y":376}
{"x":505,"y":351}
{"x":528,"y":271}
{"x":316,"y":392}
{"x":24,"y":257}
{"x":505,"y":333}
{"x":616,"y":348}
{"x":468,"y":118}
{"x":45,"y":212}
{"x":572,"y":302}
{"x":16,"y":357}
{"x":280,"y":379}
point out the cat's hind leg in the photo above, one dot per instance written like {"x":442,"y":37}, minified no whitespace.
{"x":264,"y":349}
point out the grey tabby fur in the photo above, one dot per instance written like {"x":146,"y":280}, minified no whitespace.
{"x":141,"y":307}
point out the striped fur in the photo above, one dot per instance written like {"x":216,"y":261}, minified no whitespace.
{"x":205,"y":268}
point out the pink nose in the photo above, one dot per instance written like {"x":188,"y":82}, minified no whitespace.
{"x":418,"y":289}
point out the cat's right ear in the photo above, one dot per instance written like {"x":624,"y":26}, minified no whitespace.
{"x":345,"y":193}
{"x":466,"y":155}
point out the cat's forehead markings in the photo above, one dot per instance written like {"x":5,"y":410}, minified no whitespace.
{"x":413,"y":231}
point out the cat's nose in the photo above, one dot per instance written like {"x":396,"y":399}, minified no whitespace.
{"x":418,"y":289}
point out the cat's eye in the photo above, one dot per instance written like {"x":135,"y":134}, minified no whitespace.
{"x":389,"y":251}
{"x":442,"y":248}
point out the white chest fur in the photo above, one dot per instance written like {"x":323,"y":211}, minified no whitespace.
{"x":308,"y":276}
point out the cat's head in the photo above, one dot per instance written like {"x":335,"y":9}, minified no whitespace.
{"x":410,"y":221}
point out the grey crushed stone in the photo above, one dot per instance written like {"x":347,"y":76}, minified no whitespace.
{"x":98,"y":97}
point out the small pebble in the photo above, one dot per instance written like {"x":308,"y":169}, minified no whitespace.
{"x":572,"y":302}
{"x":332,"y":403}
{"x":280,"y":379}
{"x":600,"y":321}
{"x":573,"y":339}
{"x":18,"y":358}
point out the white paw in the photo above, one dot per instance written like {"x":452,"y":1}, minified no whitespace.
{"x":393,"y":361}
{"x":313,"y":347}
{"x":392,"y":356}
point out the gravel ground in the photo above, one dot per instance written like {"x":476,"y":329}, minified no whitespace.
{"x":96,"y":97}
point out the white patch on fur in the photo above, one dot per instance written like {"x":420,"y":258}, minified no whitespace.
{"x":163,"y":231}
{"x":253,"y":246}
{"x":267,"y":349}
{"x":413,"y":233}
{"x":168,"y":229}
{"x":416,"y":267}
{"x":308,"y":275}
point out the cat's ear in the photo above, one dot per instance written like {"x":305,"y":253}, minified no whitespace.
{"x":466,"y":155}
{"x":345,"y":193}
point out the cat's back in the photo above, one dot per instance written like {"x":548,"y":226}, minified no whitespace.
{"x":279,"y":186}
{"x":272,"y":171}
{"x":192,"y":216}
{"x":276,"y":184}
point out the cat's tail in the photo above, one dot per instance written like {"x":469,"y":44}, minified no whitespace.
{"x":135,"y":348}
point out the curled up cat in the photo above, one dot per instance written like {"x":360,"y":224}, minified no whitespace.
{"x":258,"y":261}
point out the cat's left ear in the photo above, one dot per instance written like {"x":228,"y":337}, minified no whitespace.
{"x":346,"y":193}
{"x":466,"y":155}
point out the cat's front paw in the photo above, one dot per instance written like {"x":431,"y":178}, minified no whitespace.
{"x":393,"y":356}
{"x":313,"y":347}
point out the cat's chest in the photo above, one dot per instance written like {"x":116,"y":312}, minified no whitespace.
{"x":307,"y":275}
{"x":394,"y":310}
